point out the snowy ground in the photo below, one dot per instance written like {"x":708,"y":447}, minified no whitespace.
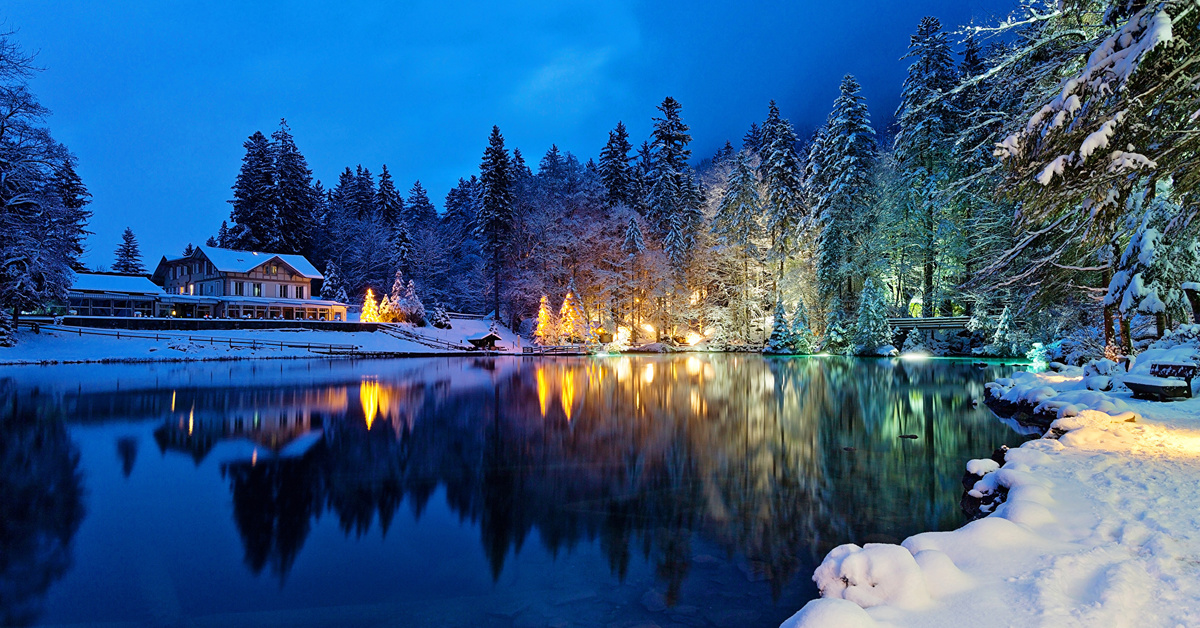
{"x":1100,"y":527}
{"x":59,"y":346}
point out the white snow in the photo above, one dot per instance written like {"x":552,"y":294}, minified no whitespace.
{"x":1053,"y":168}
{"x":982,"y":466}
{"x":1099,"y":528}
{"x":65,"y":346}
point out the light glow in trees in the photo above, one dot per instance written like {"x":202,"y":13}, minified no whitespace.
{"x":546,"y":332}
{"x":571,"y":325}
{"x":370,"y":310}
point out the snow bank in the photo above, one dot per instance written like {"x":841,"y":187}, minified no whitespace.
{"x":1097,"y":528}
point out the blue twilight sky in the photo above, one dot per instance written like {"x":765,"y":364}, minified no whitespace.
{"x":156,"y":98}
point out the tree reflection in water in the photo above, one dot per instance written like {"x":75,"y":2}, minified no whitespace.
{"x":641,"y":454}
{"x":41,"y":505}
{"x":772,"y":461}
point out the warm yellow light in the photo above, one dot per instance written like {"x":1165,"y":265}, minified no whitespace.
{"x":172,"y":401}
{"x":695,"y":298}
{"x":370,"y":310}
{"x":368,"y":394}
{"x":693,"y":366}
{"x":568,"y":393}
{"x":543,"y":390}
{"x":648,"y":328}
{"x":692,"y":338}
{"x":254,"y":457}
{"x":648,"y":374}
{"x":624,"y":369}
{"x":191,"y":420}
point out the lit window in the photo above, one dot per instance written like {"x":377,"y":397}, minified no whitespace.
{"x":258,"y":290}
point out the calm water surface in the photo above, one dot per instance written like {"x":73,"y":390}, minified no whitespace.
{"x":695,"y":491}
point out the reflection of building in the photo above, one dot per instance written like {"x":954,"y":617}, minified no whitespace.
{"x":210,"y":283}
{"x":272,"y":419}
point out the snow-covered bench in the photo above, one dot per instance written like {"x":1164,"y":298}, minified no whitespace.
{"x":1167,"y":380}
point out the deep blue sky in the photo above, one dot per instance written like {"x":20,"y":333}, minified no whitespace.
{"x":156,"y":98}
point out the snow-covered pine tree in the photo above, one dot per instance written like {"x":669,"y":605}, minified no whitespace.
{"x":388,"y":312}
{"x":420,"y":210}
{"x":922,"y":143}
{"x":572,"y":327}
{"x":389,"y":201}
{"x":781,"y":341}
{"x":844,"y":163}
{"x":838,"y":339}
{"x":781,"y":174}
{"x":615,"y":169}
{"x":804,"y":341}
{"x":752,"y":141}
{"x":736,"y":224}
{"x":545,"y":332}
{"x":364,"y":194}
{"x":416,"y":310}
{"x":253,"y":213}
{"x":334,"y":288}
{"x":128,"y":255}
{"x":674,"y":192}
{"x":872,"y":330}
{"x":495,"y":218}
{"x":292,"y":196}
{"x":223,"y":235}
{"x":440,"y":318}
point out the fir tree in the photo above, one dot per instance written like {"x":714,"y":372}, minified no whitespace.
{"x":188,"y":250}
{"x":440,"y":318}
{"x":615,"y":170}
{"x":364,"y":194}
{"x":873,"y":330}
{"x":387,"y":310}
{"x":781,"y":340}
{"x":572,"y":327}
{"x":334,"y":288}
{"x":674,"y":192}
{"x":223,"y":235}
{"x":292,"y":197}
{"x":420,"y":210}
{"x":844,"y":205}
{"x":415,"y":313}
{"x":370,"y":309}
{"x":736,"y":224}
{"x":128,"y":255}
{"x":389,"y":201}
{"x":546,"y":331}
{"x":253,"y":214}
{"x":397,"y":293}
{"x":752,"y":141}
{"x":495,"y":217}
{"x":781,"y":173}
{"x":803,"y":339}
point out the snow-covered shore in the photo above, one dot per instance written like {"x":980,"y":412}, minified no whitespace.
{"x":56,"y":346}
{"x":1099,"y":526}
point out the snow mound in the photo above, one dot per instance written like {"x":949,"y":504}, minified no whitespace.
{"x":827,"y":612}
{"x":982,"y":466}
{"x":873,"y":575}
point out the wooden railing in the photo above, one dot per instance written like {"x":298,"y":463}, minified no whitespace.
{"x":936,"y":322}
{"x":396,"y":331}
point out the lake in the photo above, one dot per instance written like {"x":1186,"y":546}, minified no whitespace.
{"x":684,"y":490}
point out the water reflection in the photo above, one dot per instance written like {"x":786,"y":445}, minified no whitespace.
{"x":41,"y":506}
{"x":774,"y":461}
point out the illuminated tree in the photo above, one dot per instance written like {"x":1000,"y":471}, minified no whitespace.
{"x":387,"y":310}
{"x":370,"y":311}
{"x":571,"y":325}
{"x":545,"y":333}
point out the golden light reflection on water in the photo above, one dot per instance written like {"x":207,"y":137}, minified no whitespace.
{"x":568,"y":393}
{"x":368,"y":395}
{"x":543,"y":390}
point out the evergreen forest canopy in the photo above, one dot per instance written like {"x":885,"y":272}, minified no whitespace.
{"x":1040,"y":177}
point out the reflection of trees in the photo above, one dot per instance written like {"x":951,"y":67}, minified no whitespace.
{"x":41,"y":507}
{"x":639,"y":454}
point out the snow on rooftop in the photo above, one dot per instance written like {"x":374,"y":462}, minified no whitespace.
{"x":132,"y":284}
{"x":230,"y":261}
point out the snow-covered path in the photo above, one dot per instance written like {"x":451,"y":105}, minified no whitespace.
{"x":1100,"y":528}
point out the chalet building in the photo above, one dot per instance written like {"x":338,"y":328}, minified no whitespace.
{"x":210,"y":283}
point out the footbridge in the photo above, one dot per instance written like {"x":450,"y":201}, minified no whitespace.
{"x":935,"y":322}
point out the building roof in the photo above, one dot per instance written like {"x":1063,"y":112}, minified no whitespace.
{"x":230,"y":261}
{"x":125,"y":284}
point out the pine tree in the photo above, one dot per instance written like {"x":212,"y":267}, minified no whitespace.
{"x":223,"y":235}
{"x":873,"y":330}
{"x":844,"y":203}
{"x":546,"y":331}
{"x":615,"y":170}
{"x":495,"y":217}
{"x":440,"y":318}
{"x":572,"y":328}
{"x":923,"y":123}
{"x":364,"y":194}
{"x":188,"y":250}
{"x":387,"y":310}
{"x":752,"y":141}
{"x":420,"y":210}
{"x":803,"y":339}
{"x":633,"y":243}
{"x":781,"y":172}
{"x":334,"y":288}
{"x":128,"y":255}
{"x":293,"y":199}
{"x":415,"y":313}
{"x":389,"y":201}
{"x":674,"y":192}
{"x":736,"y":224}
{"x":370,"y":309}
{"x":781,"y":340}
{"x":253,"y":214}
{"x":397,"y":292}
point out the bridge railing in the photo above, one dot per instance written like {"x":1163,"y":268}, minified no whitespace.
{"x":935,"y":322}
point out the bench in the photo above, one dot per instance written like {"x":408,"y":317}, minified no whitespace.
{"x":1167,"y":380}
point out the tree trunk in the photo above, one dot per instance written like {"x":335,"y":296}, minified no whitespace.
{"x":927,"y":297}
{"x":1160,"y":324}
{"x":1126,"y":337}
{"x":1109,"y":333}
